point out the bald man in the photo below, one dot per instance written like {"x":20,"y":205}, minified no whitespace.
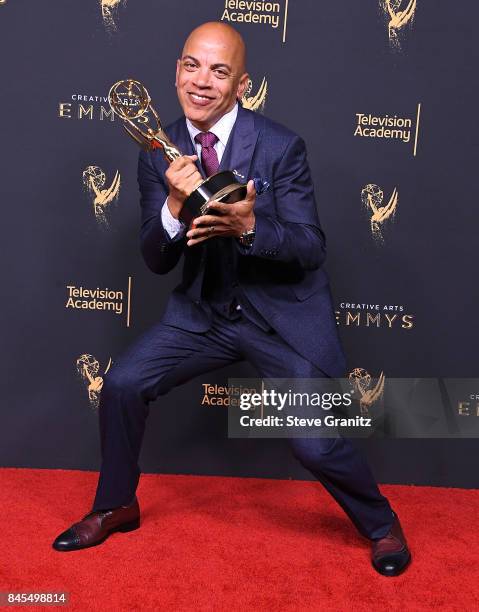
{"x":253,"y":288}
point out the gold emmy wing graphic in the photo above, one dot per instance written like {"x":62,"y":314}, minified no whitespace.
{"x":372,"y":197}
{"x":94,"y":180}
{"x":109,"y":9}
{"x":398,"y":18}
{"x":361,"y":382}
{"x":88,"y":368}
{"x":256,"y":102}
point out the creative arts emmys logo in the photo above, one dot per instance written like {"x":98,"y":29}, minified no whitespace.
{"x":372,"y":198}
{"x":94,"y":107}
{"x":398,"y":14}
{"x":86,"y":106}
{"x":109,"y":13}
{"x":255,"y":102}
{"x":94,"y":180}
{"x":88,"y":369}
{"x":388,"y":316}
{"x":364,"y":389}
{"x":469,"y":407}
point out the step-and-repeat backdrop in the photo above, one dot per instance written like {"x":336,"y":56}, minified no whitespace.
{"x":385,"y":94}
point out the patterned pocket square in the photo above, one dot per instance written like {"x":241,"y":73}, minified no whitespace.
{"x":260,"y":185}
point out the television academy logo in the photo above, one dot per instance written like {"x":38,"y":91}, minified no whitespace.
{"x":115,"y":301}
{"x":372,"y":198}
{"x":255,"y":102}
{"x":256,"y":12}
{"x":88,"y":368}
{"x":94,"y":180}
{"x":363,"y":387}
{"x":389,"y":127}
{"x":225,"y":395}
{"x":398,"y":14}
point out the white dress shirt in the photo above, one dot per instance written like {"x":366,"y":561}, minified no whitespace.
{"x":222,"y":130}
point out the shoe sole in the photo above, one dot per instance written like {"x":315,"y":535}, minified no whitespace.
{"x":124,"y":528}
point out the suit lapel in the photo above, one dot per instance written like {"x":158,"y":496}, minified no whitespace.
{"x":241,"y":144}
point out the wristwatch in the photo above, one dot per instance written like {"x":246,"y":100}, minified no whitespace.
{"x":247,"y":238}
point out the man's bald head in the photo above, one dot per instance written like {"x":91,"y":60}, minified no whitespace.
{"x":211,"y":74}
{"x":224,"y":34}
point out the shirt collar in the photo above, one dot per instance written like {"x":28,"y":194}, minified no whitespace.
{"x":221,"y":129}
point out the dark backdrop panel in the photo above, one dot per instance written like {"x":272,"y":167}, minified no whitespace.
{"x":324,"y":64}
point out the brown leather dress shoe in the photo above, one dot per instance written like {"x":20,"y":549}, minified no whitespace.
{"x":95,"y":527}
{"x":390,"y":555}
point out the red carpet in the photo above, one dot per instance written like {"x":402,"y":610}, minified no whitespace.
{"x":235,"y":544}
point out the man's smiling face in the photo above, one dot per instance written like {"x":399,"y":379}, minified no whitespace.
{"x":210,"y":75}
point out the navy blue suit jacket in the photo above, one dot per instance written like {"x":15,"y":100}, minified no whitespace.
{"x":281,"y":274}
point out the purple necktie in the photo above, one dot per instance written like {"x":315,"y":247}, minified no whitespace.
{"x":209,"y":158}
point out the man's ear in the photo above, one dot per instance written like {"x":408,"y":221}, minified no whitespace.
{"x":178,"y":64}
{"x":242,"y":85}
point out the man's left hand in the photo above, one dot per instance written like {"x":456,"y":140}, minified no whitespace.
{"x":231,"y":220}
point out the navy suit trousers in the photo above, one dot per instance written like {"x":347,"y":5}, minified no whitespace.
{"x":167,"y":356}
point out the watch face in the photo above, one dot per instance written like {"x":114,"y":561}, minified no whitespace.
{"x":247,"y":238}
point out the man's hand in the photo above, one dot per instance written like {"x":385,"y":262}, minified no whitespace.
{"x":231,"y":220}
{"x":182,"y":177}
